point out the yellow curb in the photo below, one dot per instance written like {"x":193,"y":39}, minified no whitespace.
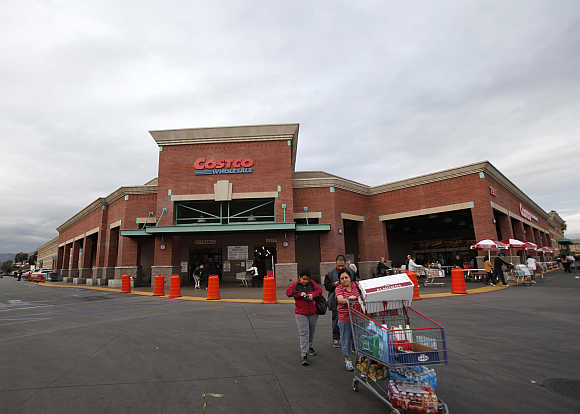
{"x":484,"y":289}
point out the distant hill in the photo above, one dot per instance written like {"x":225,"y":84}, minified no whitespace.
{"x":7,"y":256}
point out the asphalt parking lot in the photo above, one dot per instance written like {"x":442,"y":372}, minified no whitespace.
{"x":66,"y":350}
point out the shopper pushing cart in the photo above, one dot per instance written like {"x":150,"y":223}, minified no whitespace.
{"x":396,"y":347}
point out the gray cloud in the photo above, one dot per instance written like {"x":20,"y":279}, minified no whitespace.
{"x":393,"y":90}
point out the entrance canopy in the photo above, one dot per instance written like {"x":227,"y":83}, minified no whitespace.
{"x":200,"y":228}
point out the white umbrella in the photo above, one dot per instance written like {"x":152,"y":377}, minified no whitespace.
{"x":489,"y":245}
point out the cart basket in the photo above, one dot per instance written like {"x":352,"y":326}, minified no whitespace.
{"x":398,"y":336}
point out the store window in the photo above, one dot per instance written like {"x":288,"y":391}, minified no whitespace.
{"x":226,"y":212}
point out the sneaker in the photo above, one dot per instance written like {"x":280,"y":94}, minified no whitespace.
{"x":305,"y":361}
{"x":336,"y":343}
{"x":312,"y":352}
{"x":491,"y":284}
{"x":349,"y":366}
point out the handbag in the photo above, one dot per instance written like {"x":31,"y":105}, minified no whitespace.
{"x":321,"y":305}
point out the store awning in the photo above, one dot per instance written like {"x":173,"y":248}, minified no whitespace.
{"x":202,"y":228}
{"x":312,"y":227}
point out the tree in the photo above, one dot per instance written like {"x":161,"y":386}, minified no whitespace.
{"x":21,"y":257}
{"x":32,"y":258}
{"x":6,"y":266}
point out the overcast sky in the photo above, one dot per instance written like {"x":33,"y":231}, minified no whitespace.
{"x":382,"y":91}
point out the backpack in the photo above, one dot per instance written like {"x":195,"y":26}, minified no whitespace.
{"x":321,"y":305}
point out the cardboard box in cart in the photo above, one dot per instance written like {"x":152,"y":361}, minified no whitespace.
{"x":387,"y":288}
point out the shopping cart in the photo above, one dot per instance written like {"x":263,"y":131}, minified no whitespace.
{"x":434,"y":277}
{"x":393,"y":335}
{"x":521,"y":275}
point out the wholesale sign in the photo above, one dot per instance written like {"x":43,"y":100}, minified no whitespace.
{"x":214,"y":167}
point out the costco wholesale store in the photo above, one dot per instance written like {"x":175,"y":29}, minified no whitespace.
{"x":231,"y":196}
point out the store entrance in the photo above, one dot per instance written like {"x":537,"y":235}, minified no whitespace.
{"x":210,"y":256}
{"x":265,"y":259}
{"x":439,"y":237}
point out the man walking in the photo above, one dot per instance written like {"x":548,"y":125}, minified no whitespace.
{"x":498,"y":263}
{"x":331,"y":281}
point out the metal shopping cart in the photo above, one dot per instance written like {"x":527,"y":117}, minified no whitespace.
{"x":521,"y":275}
{"x":390,"y":336}
{"x":434,"y":277}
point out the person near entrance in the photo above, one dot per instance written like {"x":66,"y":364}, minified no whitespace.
{"x":197,"y":274}
{"x":304,"y":291}
{"x":382,"y":267}
{"x":498,"y":263}
{"x":253,"y":273}
{"x":488,"y":267}
{"x":331,"y":281}
{"x":411,"y":265}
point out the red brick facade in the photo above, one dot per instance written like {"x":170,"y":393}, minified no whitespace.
{"x":100,"y":236}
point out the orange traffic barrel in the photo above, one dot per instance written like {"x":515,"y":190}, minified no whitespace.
{"x":213,"y":288}
{"x":269,"y":290}
{"x":413,"y":277}
{"x":175,"y":286}
{"x":126,"y":284}
{"x":159,"y":286}
{"x":457,"y":281}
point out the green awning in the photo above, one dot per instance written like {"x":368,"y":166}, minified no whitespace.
{"x":565,"y":241}
{"x":135,"y":233}
{"x":312,"y":227}
{"x":221,"y":227}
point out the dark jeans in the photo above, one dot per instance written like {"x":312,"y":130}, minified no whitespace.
{"x":567,"y":267}
{"x":335,"y":328}
{"x":498,"y":276}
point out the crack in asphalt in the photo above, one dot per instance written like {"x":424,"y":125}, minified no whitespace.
{"x":107,"y":384}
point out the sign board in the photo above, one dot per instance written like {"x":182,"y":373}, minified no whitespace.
{"x":270,"y":241}
{"x":527,"y":214}
{"x":184,"y":267}
{"x":230,"y":166}
{"x":204,"y":242}
{"x":227,"y":267}
{"x":237,"y":252}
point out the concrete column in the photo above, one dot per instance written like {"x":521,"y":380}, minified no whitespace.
{"x":505,"y":226}
{"x":126,"y":257}
{"x":518,"y":230}
{"x":60,"y":258}
{"x":483,"y":225}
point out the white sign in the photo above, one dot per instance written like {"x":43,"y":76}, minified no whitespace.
{"x":237,"y":252}
{"x":526,"y":214}
{"x":184,"y":267}
{"x":227,"y":267}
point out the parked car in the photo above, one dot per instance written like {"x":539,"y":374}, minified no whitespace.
{"x":41,"y":275}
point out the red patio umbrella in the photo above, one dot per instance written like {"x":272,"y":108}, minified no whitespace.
{"x":489,"y":245}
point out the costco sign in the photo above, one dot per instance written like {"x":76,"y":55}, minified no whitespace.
{"x":232,"y":166}
{"x":526,"y":214}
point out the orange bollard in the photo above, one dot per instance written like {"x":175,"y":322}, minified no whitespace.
{"x":458,"y":281}
{"x":175,"y":286}
{"x":159,"y":286}
{"x":213,"y":288}
{"x":269,"y":290}
{"x":413,"y":277}
{"x":125,"y":284}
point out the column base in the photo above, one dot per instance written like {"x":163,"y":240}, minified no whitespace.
{"x":286,"y":273}
{"x":116,"y":283}
{"x":67,"y":279}
{"x":86,"y":273}
{"x":166,"y":271}
{"x":125,"y":270}
{"x":79,"y":281}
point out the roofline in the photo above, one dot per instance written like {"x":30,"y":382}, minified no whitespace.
{"x":105,"y":201}
{"x":475,"y":168}
{"x":53,"y":240}
{"x":236,"y":133}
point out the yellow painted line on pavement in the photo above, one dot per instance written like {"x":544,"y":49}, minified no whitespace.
{"x":484,"y":289}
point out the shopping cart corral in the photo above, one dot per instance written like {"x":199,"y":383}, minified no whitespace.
{"x":396,"y":347}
